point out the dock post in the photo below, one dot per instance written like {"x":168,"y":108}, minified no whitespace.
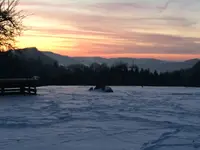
{"x":22,"y":90}
{"x":2,"y":90}
{"x":35,"y":90}
{"x":29,"y":90}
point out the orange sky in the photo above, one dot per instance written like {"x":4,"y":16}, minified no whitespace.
{"x":127,"y":28}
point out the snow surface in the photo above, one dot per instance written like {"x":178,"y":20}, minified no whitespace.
{"x":131,"y":118}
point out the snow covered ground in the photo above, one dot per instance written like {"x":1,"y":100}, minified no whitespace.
{"x":131,"y":118}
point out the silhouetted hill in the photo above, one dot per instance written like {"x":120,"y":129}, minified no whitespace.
{"x":152,"y":64}
{"x":63,"y":60}
{"x":33,"y":53}
{"x":90,"y":60}
{"x":145,"y":63}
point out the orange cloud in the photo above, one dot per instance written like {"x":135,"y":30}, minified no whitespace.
{"x":111,"y":29}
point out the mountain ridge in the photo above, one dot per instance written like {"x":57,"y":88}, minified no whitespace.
{"x":145,"y":63}
{"x":32,"y":53}
{"x":152,"y":64}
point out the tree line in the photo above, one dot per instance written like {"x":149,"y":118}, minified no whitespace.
{"x":119,"y":74}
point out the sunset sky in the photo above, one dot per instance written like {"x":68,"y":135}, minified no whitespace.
{"x":163,"y":29}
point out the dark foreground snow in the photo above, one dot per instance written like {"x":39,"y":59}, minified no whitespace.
{"x":131,"y":118}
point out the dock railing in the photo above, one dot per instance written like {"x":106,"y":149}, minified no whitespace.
{"x":23,"y":86}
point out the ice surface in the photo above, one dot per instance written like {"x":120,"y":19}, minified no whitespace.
{"x":131,"y":118}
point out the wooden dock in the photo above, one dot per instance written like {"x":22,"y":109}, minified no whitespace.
{"x":21,"y":86}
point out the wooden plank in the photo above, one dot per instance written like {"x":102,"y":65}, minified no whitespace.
{"x":11,"y":89}
{"x":18,"y":79}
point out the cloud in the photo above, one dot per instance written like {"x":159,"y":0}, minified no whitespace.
{"x":45,"y":4}
{"x":148,"y":43}
{"x":117,"y":6}
{"x":127,"y":42}
{"x":117,"y":27}
{"x":163,"y":8}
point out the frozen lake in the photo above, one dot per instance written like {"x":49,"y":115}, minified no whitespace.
{"x":131,"y":118}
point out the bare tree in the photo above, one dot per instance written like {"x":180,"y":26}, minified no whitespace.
{"x":10,"y":23}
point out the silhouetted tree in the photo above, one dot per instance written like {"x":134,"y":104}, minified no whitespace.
{"x":10,"y":23}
